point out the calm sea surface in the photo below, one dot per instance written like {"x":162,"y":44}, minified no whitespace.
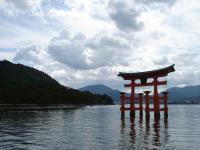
{"x":99,"y":127}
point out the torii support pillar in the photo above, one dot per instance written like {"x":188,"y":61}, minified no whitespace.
{"x":122,"y":108}
{"x":132,"y":99}
{"x":156,"y":101}
{"x":140,"y":104}
{"x":165,"y":104}
{"x":147,"y":109}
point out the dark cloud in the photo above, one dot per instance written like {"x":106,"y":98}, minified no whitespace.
{"x":21,"y":4}
{"x":148,"y":2}
{"x":124,"y":16}
{"x":24,"y":4}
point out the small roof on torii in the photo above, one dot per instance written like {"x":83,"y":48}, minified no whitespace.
{"x":147,"y":74}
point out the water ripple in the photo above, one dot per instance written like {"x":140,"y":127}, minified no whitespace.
{"x":98,"y":127}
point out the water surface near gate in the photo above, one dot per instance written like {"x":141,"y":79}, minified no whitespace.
{"x":99,"y":127}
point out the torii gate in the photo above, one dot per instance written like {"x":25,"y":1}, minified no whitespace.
{"x":143,"y":76}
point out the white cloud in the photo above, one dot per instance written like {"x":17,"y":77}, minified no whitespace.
{"x":84,"y":21}
{"x":69,"y":49}
{"x":8,"y":55}
{"x":32,"y":55}
{"x":17,"y":7}
{"x":79,"y":52}
{"x":107,"y":50}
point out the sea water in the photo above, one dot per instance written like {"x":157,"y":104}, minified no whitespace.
{"x":98,"y":128}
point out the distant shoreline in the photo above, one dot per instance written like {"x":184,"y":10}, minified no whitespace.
{"x":42,"y":107}
{"x":38,"y":107}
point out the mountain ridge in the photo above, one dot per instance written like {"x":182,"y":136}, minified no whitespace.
{"x":188,"y":94}
{"x":102,"y":89}
{"x":20,"y":84}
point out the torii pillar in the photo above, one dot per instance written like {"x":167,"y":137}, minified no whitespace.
{"x":132,"y":99}
{"x":156,"y":101}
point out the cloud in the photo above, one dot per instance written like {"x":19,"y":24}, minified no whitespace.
{"x":80,"y":21}
{"x":108,"y":50}
{"x":69,"y":50}
{"x":79,"y":52}
{"x":32,"y":55}
{"x":25,"y":4}
{"x":161,"y":60}
{"x":16,"y":7}
{"x":148,"y":2}
{"x":7,"y":54}
{"x":124,"y":16}
{"x":69,"y":57}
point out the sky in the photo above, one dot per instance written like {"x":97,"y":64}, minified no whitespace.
{"x":85,"y":42}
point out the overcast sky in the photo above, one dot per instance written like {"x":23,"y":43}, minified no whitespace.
{"x":83,"y":42}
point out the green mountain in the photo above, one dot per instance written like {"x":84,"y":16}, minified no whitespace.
{"x":20,"y":84}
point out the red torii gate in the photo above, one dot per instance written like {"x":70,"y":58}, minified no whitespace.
{"x":143,"y":76}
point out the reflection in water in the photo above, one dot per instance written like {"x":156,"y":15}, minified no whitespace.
{"x":122,"y":126}
{"x":156,"y":134}
{"x":132,"y":130}
{"x":147,"y":130}
{"x":141,"y":134}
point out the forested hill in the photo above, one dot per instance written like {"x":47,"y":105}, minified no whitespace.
{"x":20,"y":84}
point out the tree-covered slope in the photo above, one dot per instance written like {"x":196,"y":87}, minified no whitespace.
{"x":20,"y":84}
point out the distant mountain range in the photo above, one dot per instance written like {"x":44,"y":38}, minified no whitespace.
{"x":102,"y":89}
{"x":186,"y":95}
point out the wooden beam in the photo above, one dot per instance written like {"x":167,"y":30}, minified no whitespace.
{"x":162,"y":109}
{"x":146,"y":84}
{"x":148,"y":77}
{"x":128,"y":98}
{"x":151,"y":109}
{"x":127,"y":108}
{"x":161,"y":97}
{"x":138,"y":108}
